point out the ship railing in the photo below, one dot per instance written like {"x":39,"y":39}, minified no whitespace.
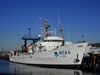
{"x":18,"y":54}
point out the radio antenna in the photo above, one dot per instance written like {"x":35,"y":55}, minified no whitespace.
{"x":60,"y":27}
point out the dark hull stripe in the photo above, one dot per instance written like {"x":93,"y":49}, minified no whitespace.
{"x":64,"y":66}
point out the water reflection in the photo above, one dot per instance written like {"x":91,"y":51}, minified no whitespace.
{"x":20,"y":69}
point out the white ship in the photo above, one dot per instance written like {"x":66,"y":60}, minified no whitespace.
{"x":51,"y":51}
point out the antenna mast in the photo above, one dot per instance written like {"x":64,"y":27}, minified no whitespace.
{"x":29,"y":29}
{"x":46,"y":26}
{"x":60,"y":27}
{"x":68,"y":36}
{"x":41,"y":27}
{"x":55,"y":31}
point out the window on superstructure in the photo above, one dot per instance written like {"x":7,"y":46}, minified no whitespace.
{"x":52,"y":40}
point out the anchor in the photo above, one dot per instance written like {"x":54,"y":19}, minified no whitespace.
{"x":77,"y":59}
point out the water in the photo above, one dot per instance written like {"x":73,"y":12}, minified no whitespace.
{"x":8,"y":68}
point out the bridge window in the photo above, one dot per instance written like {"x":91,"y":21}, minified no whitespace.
{"x":52,"y":40}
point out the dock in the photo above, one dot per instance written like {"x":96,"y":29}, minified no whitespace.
{"x":92,"y":62}
{"x":4,"y":55}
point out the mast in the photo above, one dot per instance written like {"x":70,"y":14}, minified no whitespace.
{"x":46,"y":26}
{"x":61,"y":30}
{"x":68,"y":36}
{"x":41,"y":28}
{"x":29,"y":29}
{"x":60,"y":27}
{"x":55,"y":31}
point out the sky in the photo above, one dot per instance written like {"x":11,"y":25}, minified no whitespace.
{"x":77,"y":17}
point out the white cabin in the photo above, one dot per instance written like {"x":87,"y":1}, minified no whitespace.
{"x":51,"y":43}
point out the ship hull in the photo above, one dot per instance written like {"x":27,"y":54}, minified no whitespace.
{"x":65,"y":57}
{"x":58,"y":66}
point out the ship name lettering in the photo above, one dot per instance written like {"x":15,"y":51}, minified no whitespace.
{"x":64,"y":52}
